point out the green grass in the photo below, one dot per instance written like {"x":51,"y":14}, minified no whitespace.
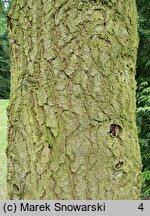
{"x":3,"y":144}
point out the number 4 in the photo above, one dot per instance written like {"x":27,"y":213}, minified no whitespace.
{"x":141,"y":207}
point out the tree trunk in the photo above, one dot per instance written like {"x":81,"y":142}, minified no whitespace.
{"x":72,"y":132}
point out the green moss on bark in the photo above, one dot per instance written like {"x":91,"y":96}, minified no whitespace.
{"x":73,"y":76}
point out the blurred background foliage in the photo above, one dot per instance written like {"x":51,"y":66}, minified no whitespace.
{"x":142,"y":77}
{"x":4,"y":52}
{"x":143,"y":90}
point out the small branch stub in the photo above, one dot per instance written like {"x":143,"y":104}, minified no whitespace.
{"x":119,"y":165}
{"x":115,"y":129}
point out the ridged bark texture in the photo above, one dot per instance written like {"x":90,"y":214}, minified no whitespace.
{"x":72,"y":79}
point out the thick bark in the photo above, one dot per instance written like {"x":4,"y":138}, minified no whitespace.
{"x":73,"y":77}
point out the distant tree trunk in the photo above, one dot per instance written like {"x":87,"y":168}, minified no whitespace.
{"x":72,"y":132}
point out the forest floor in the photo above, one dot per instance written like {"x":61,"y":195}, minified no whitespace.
{"x":3,"y":144}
